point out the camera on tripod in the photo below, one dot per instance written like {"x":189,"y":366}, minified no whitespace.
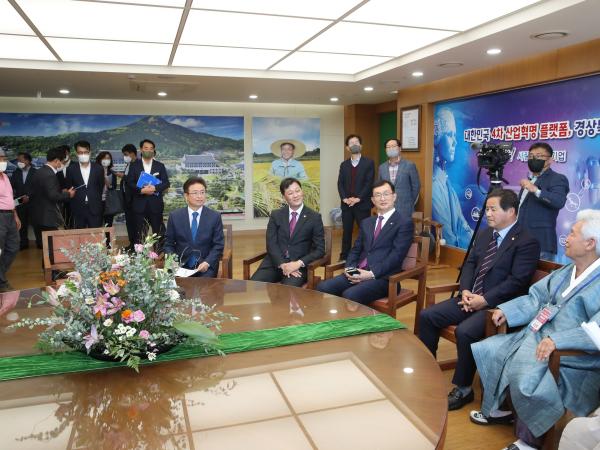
{"x":492,"y":156}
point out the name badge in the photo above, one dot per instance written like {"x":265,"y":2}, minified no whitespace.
{"x":545,"y":315}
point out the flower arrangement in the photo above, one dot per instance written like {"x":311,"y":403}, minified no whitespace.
{"x":122,"y":307}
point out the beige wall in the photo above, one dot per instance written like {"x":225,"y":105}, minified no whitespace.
{"x":332,"y":132}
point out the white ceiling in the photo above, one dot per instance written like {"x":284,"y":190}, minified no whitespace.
{"x":282,"y":50}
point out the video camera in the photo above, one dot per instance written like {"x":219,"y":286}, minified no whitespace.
{"x":492,"y":156}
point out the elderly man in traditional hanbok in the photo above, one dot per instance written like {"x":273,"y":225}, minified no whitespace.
{"x":551,"y":315}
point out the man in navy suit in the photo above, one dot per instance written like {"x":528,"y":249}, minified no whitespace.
{"x":87,"y":178}
{"x":499,"y":268}
{"x":195,"y":233}
{"x":147,"y":203}
{"x":295,"y":238}
{"x":354,"y":186}
{"x":379,"y":251}
{"x":542,"y":196}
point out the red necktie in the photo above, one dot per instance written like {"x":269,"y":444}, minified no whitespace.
{"x":293,"y":222}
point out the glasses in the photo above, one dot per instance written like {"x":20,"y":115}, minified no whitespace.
{"x":196,"y":193}
{"x":381,"y":195}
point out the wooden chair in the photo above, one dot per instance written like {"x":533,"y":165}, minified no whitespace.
{"x":226,"y":263}
{"x":54,"y":241}
{"x":543,"y":269}
{"x":313,"y":279}
{"x":414,"y":267}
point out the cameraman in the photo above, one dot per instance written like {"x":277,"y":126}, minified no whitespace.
{"x":542,"y":196}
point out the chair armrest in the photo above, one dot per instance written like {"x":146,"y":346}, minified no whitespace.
{"x":330,"y":269}
{"x":554,"y":360}
{"x":246,"y":263}
{"x":415,"y":272}
{"x":226,"y":263}
{"x":431,"y":291}
{"x":321,"y":262}
{"x":490,"y":327}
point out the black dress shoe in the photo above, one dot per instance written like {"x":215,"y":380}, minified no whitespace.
{"x":457,"y":400}
{"x":478,"y":418}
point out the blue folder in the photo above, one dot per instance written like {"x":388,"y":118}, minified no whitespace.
{"x":146,"y":179}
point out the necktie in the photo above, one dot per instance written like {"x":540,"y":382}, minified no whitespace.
{"x":293,"y":222}
{"x":363,"y":263}
{"x":194,"y":225}
{"x":487,"y":264}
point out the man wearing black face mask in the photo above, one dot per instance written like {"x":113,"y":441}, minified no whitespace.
{"x":542,"y":196}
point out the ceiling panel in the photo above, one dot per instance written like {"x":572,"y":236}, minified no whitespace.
{"x":248,"y":30}
{"x":91,"y":20}
{"x":226,"y":57}
{"x":328,"y":62}
{"x":24,"y":47}
{"x":380,"y":40}
{"x":12,"y":22}
{"x":174,"y":3}
{"x":111,"y":52}
{"x":306,"y":8}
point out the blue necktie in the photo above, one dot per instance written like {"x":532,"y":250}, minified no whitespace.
{"x":194,"y":225}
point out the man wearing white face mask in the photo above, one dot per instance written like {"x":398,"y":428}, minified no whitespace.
{"x":21,"y":184}
{"x":403,"y":174}
{"x":87,"y":178}
{"x":9,"y":225}
{"x":129,"y":155}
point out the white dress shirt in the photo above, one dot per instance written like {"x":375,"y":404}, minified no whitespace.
{"x":85,"y":174}
{"x":147,"y":167}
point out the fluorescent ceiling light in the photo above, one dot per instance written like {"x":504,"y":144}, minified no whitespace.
{"x":161,"y":94}
{"x":382,"y":40}
{"x":248,"y":30}
{"x":92,"y":20}
{"x":12,"y":22}
{"x":306,"y":8}
{"x":457,"y":15}
{"x":226,"y":57}
{"x":328,"y":62}
{"x":417,"y":74}
{"x":24,"y":47}
{"x":111,"y":52}
{"x":368,"y":88}
{"x":494,"y":51}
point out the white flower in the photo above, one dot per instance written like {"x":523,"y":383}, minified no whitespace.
{"x":63,"y":291}
{"x":122,"y":259}
{"x":151,"y":356}
{"x":106,"y":352}
{"x":89,"y":301}
{"x":173,"y":294}
{"x":130,"y":333}
{"x":107,"y":322}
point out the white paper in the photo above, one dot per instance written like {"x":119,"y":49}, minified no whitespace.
{"x":184,"y":273}
{"x":593,"y":331}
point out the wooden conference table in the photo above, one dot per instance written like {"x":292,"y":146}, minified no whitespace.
{"x":372,"y":391}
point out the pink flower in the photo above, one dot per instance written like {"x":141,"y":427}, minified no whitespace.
{"x":100,"y":306}
{"x":52,"y":296}
{"x":92,"y":338}
{"x":116,"y":267}
{"x":144,"y":334}
{"x":114,"y":305}
{"x":111,"y":287}
{"x":139,"y":248}
{"x":138,"y":316}
{"x":75,"y":277}
{"x":153,"y":255}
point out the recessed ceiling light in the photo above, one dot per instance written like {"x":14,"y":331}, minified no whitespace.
{"x":253,"y":97}
{"x":162,"y":94}
{"x":333,"y":99}
{"x":450,"y":65}
{"x":368,"y":88}
{"x":550,"y":35}
{"x":417,"y":74}
{"x":393,"y":92}
{"x":64,"y":91}
{"x":494,"y":51}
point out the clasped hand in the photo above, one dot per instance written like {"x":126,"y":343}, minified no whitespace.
{"x":148,"y":189}
{"x":291,"y":269}
{"x":363,"y":275}
{"x":527,"y":184}
{"x":470,"y":302}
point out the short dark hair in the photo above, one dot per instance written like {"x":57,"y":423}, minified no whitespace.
{"x":191,"y":181}
{"x":508,"y":199}
{"x":25,"y":155}
{"x":65,"y":149}
{"x":350,"y":136}
{"x":129,"y":148}
{"x":83,"y":144}
{"x":55,"y":153}
{"x":380,"y":183}
{"x":543,"y":145}
{"x":101,"y":156}
{"x":143,"y":141}
{"x":393,"y":139}
{"x":287,"y":143}
{"x":287,"y":182}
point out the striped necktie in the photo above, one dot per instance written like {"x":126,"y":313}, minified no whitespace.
{"x":490,"y":253}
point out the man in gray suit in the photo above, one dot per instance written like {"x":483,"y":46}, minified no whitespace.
{"x":403,"y":175}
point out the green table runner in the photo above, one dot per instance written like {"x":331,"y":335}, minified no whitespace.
{"x":15,"y":367}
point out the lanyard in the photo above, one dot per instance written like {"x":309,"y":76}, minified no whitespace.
{"x":554,"y":300}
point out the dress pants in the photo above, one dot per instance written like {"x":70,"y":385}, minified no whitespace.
{"x":364,"y":292}
{"x":9,"y":244}
{"x":24,"y":213}
{"x":349,"y":216}
{"x":470,"y":328}
{"x":85,"y":219}
{"x":275,"y":275}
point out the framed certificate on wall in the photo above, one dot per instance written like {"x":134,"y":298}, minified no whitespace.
{"x":410,"y":122}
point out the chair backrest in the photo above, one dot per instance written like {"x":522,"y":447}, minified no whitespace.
{"x":228,"y":232}
{"x":544,"y":268}
{"x":417,"y":253}
{"x":418,"y":221}
{"x":328,"y":244}
{"x":53,"y":242}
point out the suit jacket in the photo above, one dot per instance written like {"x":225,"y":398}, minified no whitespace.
{"x":45,"y":198}
{"x":209,"y":242}
{"x":140,"y":201}
{"x":363,"y":185}
{"x":20,"y":188}
{"x":125,"y":190}
{"x":307,"y":243}
{"x":538,"y":215}
{"x":407,"y":185}
{"x":93,"y":189}
{"x":513,"y":266}
{"x":385,"y":254}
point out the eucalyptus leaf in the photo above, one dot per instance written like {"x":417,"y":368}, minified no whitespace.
{"x":197,"y":331}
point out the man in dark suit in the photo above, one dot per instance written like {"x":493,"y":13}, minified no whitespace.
{"x":129,"y":155}
{"x":403,"y":174}
{"x":378,"y":252}
{"x":21,"y":184}
{"x":295,"y":238}
{"x":195,"y":233}
{"x":499,"y":268}
{"x":354,"y":186}
{"x":148,"y":205}
{"x":87,"y":178}
{"x":65,"y":207}
{"x":542,"y":196}
{"x":46,"y":194}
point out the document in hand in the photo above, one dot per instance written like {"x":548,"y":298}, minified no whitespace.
{"x":184,"y":273}
{"x":146,"y":178}
{"x":593,"y":331}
